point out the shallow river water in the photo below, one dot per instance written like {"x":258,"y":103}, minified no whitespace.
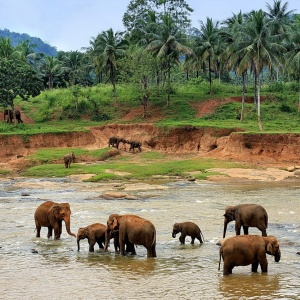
{"x":59,"y":271}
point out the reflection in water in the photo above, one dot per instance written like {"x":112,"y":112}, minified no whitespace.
{"x":55,"y":269}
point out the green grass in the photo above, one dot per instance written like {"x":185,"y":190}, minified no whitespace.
{"x":149,"y":164}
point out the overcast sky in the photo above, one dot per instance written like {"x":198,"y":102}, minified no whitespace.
{"x":70,"y":24}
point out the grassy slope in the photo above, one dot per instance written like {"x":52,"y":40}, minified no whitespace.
{"x":54,"y":111}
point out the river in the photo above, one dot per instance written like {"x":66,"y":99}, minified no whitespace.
{"x":38,"y":268}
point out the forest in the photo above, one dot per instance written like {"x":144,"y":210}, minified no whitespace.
{"x":157,"y":54}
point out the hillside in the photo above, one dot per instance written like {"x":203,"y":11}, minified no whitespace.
{"x":41,"y":46}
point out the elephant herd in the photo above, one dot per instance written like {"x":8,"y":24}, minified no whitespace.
{"x":115,"y":142}
{"x":130,"y":230}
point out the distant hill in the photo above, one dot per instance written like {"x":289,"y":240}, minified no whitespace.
{"x":20,"y":37}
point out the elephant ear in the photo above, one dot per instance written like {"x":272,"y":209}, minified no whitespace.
{"x":55,"y":209}
{"x":270,"y":248}
{"x":115,"y":224}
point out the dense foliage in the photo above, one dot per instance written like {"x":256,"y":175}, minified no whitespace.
{"x":253,"y":49}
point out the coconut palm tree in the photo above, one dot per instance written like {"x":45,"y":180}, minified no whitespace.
{"x":50,"y":68}
{"x":259,"y":48}
{"x":110,"y":47}
{"x":166,"y":46}
{"x":207,"y":40}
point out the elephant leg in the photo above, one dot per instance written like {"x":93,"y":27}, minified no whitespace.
{"x":182,"y":238}
{"x":193,"y":240}
{"x":92,"y":244}
{"x":264,"y":264}
{"x":264,"y":232}
{"x":122,"y":246}
{"x":254,"y":267}
{"x":38,"y":228}
{"x":130,"y":248}
{"x":227,"y":269}
{"x":49,"y":235}
{"x":246,"y":230}
{"x":117,"y":245}
{"x":237,"y":229}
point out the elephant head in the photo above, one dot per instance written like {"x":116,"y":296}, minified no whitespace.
{"x":229,"y":216}
{"x":272,"y":247}
{"x":81,"y":235}
{"x":176,"y":229}
{"x":62,"y":212}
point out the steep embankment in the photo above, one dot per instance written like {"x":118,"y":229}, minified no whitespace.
{"x":267,"y":149}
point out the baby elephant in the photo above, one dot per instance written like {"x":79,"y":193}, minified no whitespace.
{"x":95,"y":233}
{"x":187,"y":228}
{"x":68,"y":159}
{"x":243,"y":250}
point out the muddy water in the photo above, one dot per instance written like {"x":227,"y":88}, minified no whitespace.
{"x":59,"y":271}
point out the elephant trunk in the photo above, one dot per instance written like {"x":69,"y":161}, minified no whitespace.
{"x":277,"y":256}
{"x":78,"y":244}
{"x":173,"y":234}
{"x":67,"y":221}
{"x":225,"y":227}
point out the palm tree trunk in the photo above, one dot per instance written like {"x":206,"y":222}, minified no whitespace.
{"x":258,"y":104}
{"x":169,"y":84}
{"x":243,"y":96}
{"x":299,"y":96}
{"x":209,"y":74}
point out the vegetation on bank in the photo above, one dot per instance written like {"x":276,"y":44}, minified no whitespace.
{"x":108,"y":164}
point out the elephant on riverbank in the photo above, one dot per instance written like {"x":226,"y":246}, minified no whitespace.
{"x":10,"y":115}
{"x":133,"y":230}
{"x":50,"y":214}
{"x":246,"y":215}
{"x":187,"y":228}
{"x":68,"y":159}
{"x":134,"y":144}
{"x":95,"y":233}
{"x":244,"y":250}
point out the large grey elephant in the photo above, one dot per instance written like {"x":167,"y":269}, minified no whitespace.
{"x":133,"y":230}
{"x":50,"y":214}
{"x":244,"y":250}
{"x":95,"y":233}
{"x":10,"y":115}
{"x":187,"y":228}
{"x":246,"y":215}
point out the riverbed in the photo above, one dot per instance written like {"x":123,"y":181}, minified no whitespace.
{"x":38,"y":268}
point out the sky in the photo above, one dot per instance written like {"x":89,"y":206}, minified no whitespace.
{"x":69,"y":25}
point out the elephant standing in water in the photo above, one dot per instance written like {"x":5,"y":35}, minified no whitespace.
{"x":187,"y":228}
{"x":133,"y":230}
{"x":244,"y":250}
{"x":95,"y":233}
{"x":50,"y":214}
{"x":10,"y":115}
{"x":246,"y":215}
{"x":68,"y":159}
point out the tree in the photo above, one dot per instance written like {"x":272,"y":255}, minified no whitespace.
{"x":50,"y":69}
{"x":259,"y":47}
{"x":110,"y":47}
{"x":17,"y":79}
{"x":138,"y":67}
{"x":206,"y":44}
{"x":167,"y":48}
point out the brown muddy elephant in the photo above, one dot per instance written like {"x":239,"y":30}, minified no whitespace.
{"x":50,"y":214}
{"x":133,"y":230}
{"x":134,"y":144}
{"x":115,"y":142}
{"x":68,"y":159}
{"x":246,"y":215}
{"x":10,"y":115}
{"x":187,"y":228}
{"x":243,"y":250}
{"x":95,"y":233}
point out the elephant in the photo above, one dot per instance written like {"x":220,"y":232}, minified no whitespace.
{"x":68,"y":158}
{"x":134,"y":144}
{"x":9,"y":113}
{"x":95,"y":233}
{"x":187,"y":228}
{"x":246,"y":215}
{"x":115,"y":141}
{"x":244,"y":250}
{"x":129,"y":246}
{"x":50,"y":214}
{"x":133,"y":230}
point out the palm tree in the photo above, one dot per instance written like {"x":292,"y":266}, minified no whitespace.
{"x":292,"y":57}
{"x":167,"y":48}
{"x":50,"y":68}
{"x":259,"y":48}
{"x":207,"y":41}
{"x":110,"y":46}
{"x":72,"y":61}
{"x":6,"y":49}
